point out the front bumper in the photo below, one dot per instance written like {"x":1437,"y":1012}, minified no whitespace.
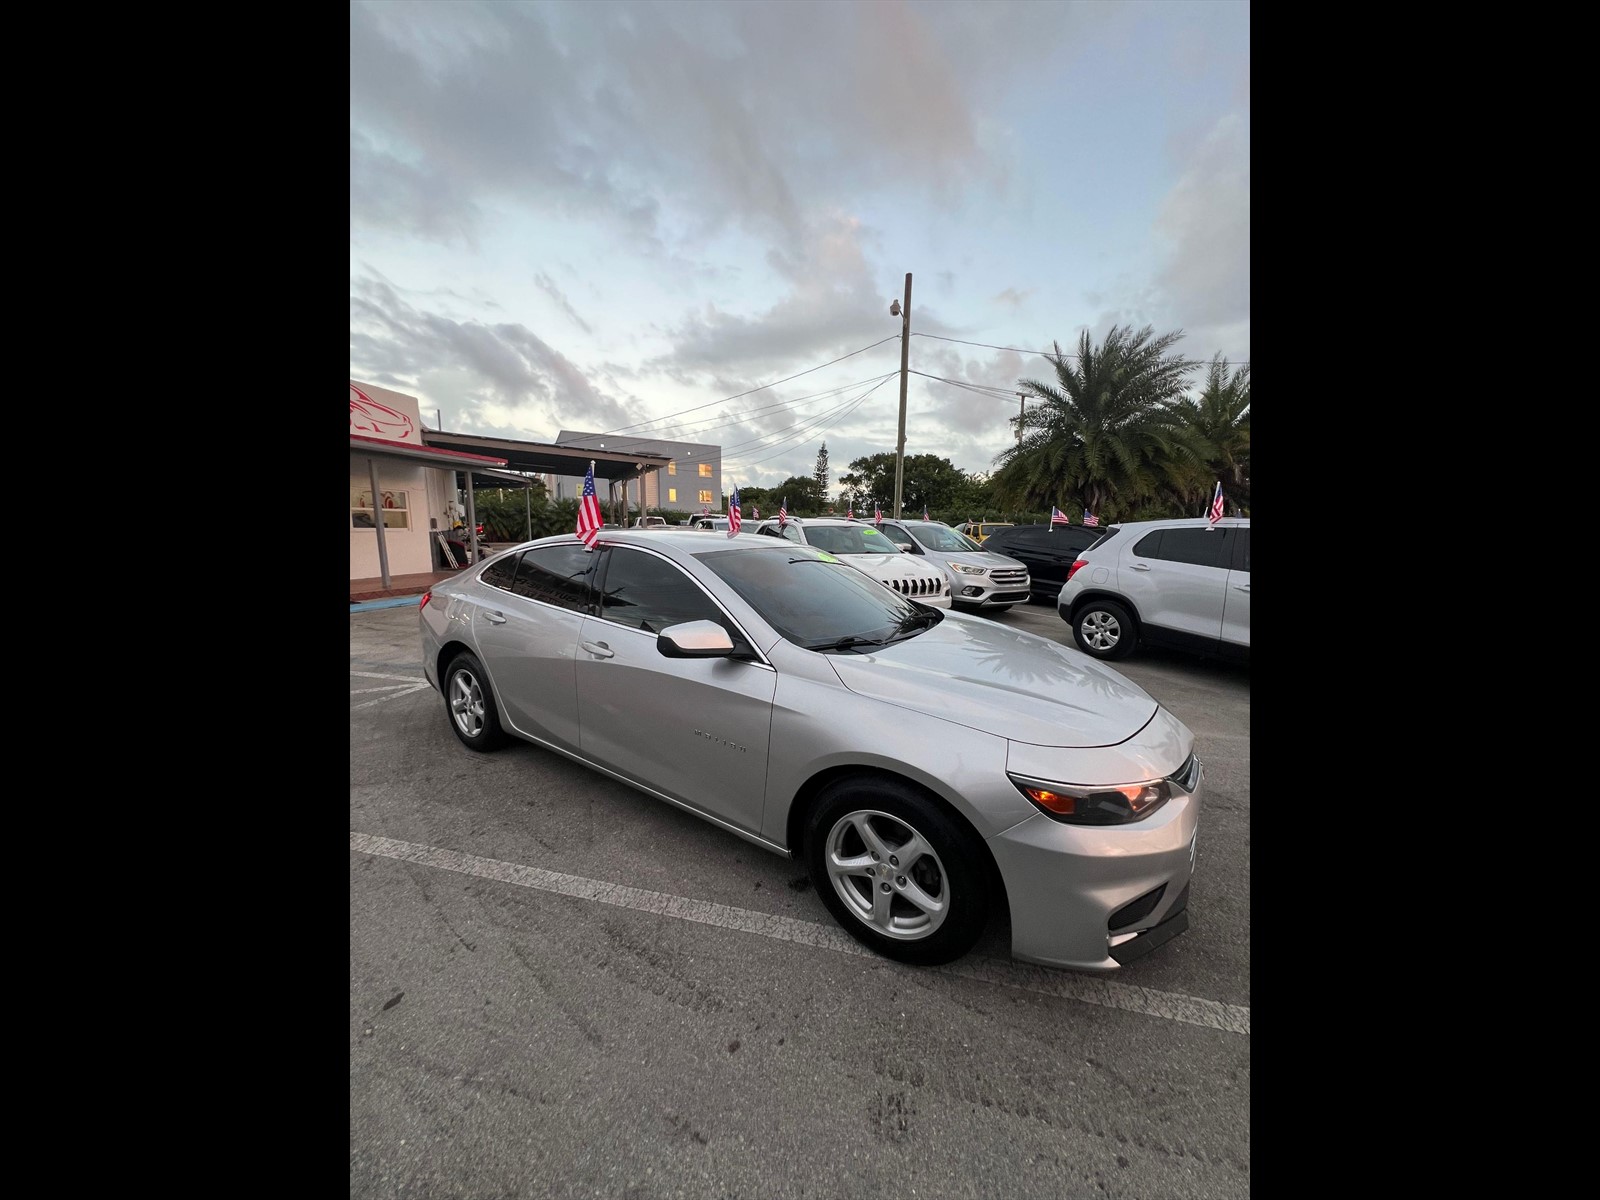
{"x":1071,"y":887}
{"x":981,"y":591}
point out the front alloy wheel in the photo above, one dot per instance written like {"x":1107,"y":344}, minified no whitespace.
{"x":887,"y":875}
{"x":902,"y":873}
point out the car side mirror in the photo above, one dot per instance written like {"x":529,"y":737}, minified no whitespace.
{"x":694,"y":639}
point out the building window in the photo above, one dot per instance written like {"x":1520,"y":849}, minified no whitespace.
{"x":672,"y":468}
{"x":705,"y":496}
{"x":672,"y":495}
{"x":705,"y":470}
{"x":392,"y":504}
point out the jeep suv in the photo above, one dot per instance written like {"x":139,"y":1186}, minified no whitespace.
{"x":1182,"y":583}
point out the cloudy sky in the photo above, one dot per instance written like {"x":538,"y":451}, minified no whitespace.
{"x":624,"y":217}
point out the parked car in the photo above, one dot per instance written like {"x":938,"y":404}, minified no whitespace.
{"x":1181,"y":583}
{"x":721,"y":523}
{"x":1048,"y":551}
{"x":929,"y":768}
{"x":649,"y":523}
{"x":979,"y":531}
{"x":978,"y":580}
{"x":866,"y":549}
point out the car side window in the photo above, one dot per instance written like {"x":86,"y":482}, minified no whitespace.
{"x":644,"y":592}
{"x":501,"y":572}
{"x":556,"y":575}
{"x":770,"y":531}
{"x":1241,"y":550}
{"x":1202,"y":547}
{"x":792,"y":532}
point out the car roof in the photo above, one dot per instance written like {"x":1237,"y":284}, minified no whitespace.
{"x":1178,"y":523}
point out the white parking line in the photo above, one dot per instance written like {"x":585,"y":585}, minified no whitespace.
{"x":1189,"y":1010}
{"x":407,"y":685}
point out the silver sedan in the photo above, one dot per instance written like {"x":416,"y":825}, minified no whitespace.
{"x":929,"y":768}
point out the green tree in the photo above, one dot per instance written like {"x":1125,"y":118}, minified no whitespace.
{"x":821,"y":473}
{"x":926,"y":480}
{"x":1220,"y":416}
{"x":1106,"y":433}
{"x":805,"y":497}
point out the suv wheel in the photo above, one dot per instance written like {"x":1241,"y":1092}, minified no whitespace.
{"x":1103,"y":629}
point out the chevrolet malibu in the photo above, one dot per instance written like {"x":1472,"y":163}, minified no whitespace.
{"x":928,"y":767}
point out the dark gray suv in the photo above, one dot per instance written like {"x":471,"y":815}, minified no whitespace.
{"x":1183,"y":583}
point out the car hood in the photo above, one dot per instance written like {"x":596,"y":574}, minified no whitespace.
{"x":1002,"y":681}
{"x":888,"y":566}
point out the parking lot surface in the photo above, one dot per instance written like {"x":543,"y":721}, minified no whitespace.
{"x":562,"y":987}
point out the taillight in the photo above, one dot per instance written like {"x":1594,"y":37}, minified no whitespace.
{"x":426,"y":596}
{"x":1073,"y":569}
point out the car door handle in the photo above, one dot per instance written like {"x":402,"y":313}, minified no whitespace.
{"x":1138,"y":566}
{"x":1241,"y":587}
{"x":598,"y":649}
{"x":494,"y":618}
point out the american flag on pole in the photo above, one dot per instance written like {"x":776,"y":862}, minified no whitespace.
{"x":851,"y":515}
{"x":1216,"y":504}
{"x":924,"y":512}
{"x":589,"y":519}
{"x":755,"y":512}
{"x":1089,"y":518}
{"x":1057,"y":517}
{"x":877,"y":513}
{"x":733,"y":514}
{"x":783,"y":513}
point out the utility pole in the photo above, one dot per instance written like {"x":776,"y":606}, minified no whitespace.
{"x":1022,"y":396}
{"x":905,"y":351}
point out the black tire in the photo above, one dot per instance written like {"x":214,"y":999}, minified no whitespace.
{"x":951,"y":870}
{"x":469,"y":704}
{"x":1104,"y":629}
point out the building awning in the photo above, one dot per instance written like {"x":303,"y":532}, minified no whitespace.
{"x":549,"y":458}
{"x":430,"y":455}
{"x":500,"y":479}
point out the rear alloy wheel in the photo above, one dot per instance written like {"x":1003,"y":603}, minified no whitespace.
{"x":470,"y":703}
{"x":1104,"y":629}
{"x":899,"y":874}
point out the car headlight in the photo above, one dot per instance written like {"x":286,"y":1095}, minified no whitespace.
{"x":1119,"y":804}
{"x":966,"y":570}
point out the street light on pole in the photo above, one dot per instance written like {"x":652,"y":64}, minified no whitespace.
{"x":905,"y":350}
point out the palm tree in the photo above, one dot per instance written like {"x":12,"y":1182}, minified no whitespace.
{"x":1221,"y":416}
{"x":1107,"y":431}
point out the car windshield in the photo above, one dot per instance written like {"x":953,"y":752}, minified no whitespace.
{"x":849,"y":539}
{"x":941,"y":537}
{"x":814,"y":600}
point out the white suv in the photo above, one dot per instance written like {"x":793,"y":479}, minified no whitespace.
{"x":868,"y":551}
{"x":978,"y":579}
{"x":1182,"y":583}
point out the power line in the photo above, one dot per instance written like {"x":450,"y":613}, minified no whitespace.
{"x":1187,"y":362}
{"x":739,"y":396}
{"x":691,"y":434}
{"x":848,"y":408}
{"x":983,"y":389}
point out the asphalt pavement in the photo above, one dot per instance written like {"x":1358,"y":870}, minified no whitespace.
{"x":561,"y":987}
